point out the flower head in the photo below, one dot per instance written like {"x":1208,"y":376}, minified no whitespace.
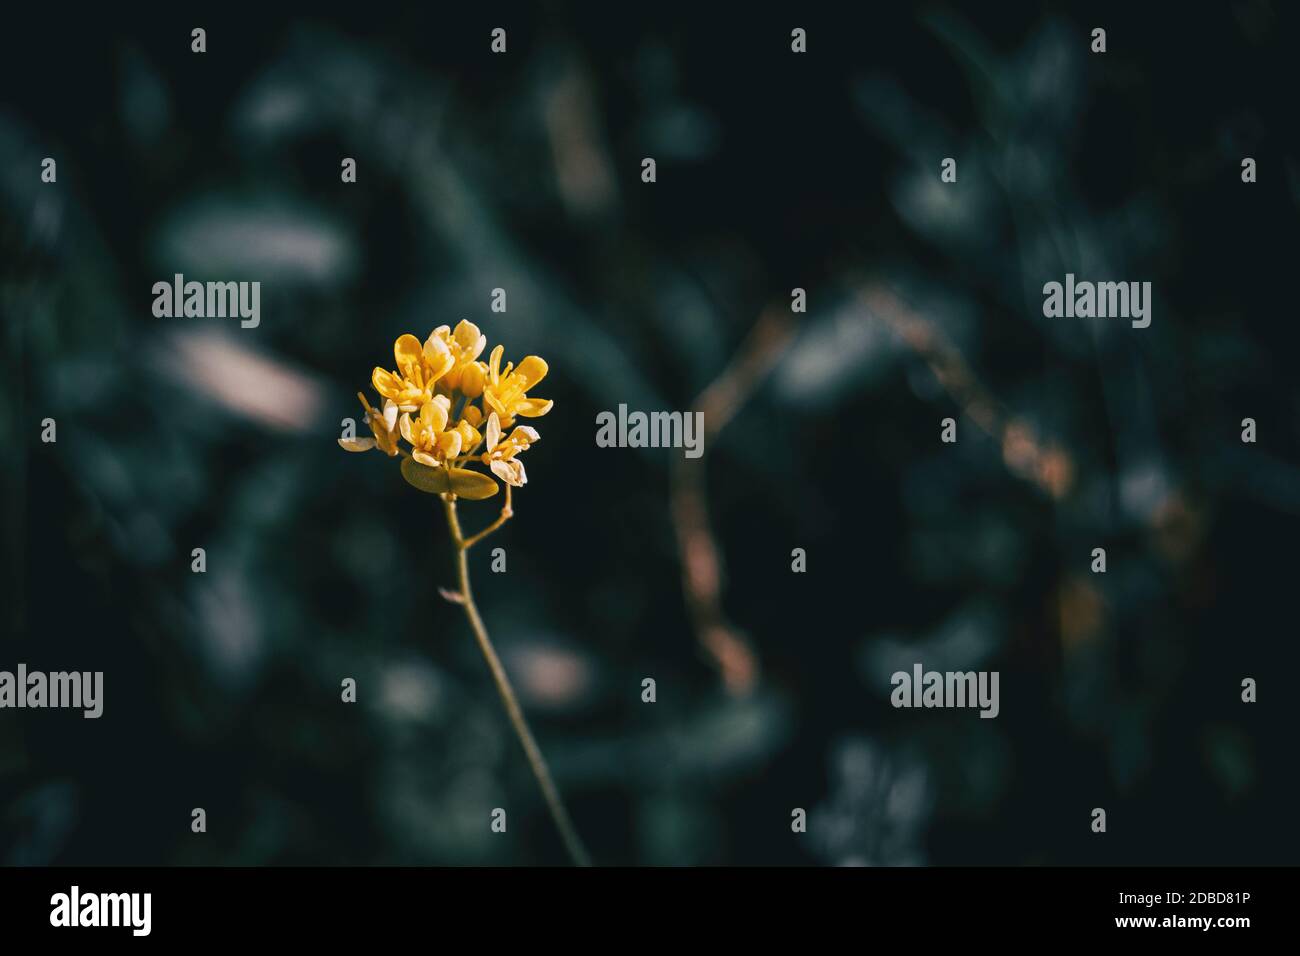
{"x":436,"y":400}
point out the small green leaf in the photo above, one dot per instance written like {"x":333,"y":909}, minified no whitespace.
{"x":436,"y":481}
{"x":431,"y":480}
{"x":473,"y":485}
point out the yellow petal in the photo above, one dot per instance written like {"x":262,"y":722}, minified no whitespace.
{"x":493,"y":433}
{"x":424,"y":458}
{"x":390,"y":414}
{"x":438,"y":357}
{"x":494,"y":364}
{"x":405,"y":424}
{"x":469,"y":436}
{"x":467,"y":336}
{"x":356,"y":444}
{"x":533,"y":407}
{"x":532,"y":370}
{"x":449,"y":444}
{"x":386,"y":384}
{"x":511,"y":472}
{"x":434,"y":415}
{"x":407,"y":352}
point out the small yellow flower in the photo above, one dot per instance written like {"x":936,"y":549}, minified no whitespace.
{"x":418,"y":369}
{"x":505,"y":391}
{"x":501,"y":455}
{"x":430,"y":444}
{"x":469,"y":436}
{"x":465,"y":345}
{"x":382,"y":425}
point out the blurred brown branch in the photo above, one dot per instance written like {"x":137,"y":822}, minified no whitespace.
{"x":1024,"y":452}
{"x":702,"y":567}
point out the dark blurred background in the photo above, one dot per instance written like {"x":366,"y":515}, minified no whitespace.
{"x":775,"y":171}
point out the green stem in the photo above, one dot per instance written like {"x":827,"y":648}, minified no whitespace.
{"x":572,"y":842}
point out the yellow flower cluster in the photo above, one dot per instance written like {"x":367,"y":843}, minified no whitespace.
{"x":437,"y":400}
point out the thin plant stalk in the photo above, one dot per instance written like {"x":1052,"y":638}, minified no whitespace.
{"x":572,"y":842}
